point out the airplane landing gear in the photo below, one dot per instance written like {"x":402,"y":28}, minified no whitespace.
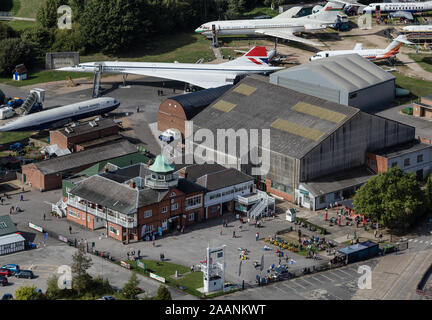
{"x":124,"y":85}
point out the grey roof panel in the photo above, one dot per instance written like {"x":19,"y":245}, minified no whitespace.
{"x":350,"y":72}
{"x":339,"y":181}
{"x":267,"y":104}
{"x":7,"y":226}
{"x":86,"y":157}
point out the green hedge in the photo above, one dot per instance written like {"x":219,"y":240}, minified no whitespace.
{"x":321,"y":229}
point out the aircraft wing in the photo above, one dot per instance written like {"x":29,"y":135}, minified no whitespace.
{"x":402,"y":14}
{"x":288,"y":35}
{"x":202,"y":80}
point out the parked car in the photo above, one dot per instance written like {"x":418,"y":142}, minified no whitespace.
{"x":25,"y":274}
{"x":15,"y":146}
{"x":5,"y":272}
{"x":169,"y":135}
{"x":7,"y":296}
{"x":107,"y":298}
{"x":4,"y":281}
{"x":15,"y":102}
{"x":12,"y":267}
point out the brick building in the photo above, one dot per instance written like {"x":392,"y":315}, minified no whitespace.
{"x":82,"y":136}
{"x":136,"y":201}
{"x":48,"y":174}
{"x":423,"y":108}
{"x":173,"y":112}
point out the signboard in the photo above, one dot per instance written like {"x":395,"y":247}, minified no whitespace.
{"x":306,"y":193}
{"x":141,"y":265}
{"x":158,"y":278}
{"x":125,"y":265}
{"x":33,"y":226}
{"x":64,"y":239}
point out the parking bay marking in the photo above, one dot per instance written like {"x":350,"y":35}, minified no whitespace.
{"x":298,"y":284}
{"x":326,"y":277}
{"x":334,"y":274}
{"x":303,"y":279}
{"x":345,"y":272}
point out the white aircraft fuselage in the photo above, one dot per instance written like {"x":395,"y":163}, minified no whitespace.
{"x":61,"y":116}
{"x":197,"y":74}
{"x":399,"y":6}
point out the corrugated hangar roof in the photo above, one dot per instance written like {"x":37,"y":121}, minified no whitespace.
{"x":193,"y":102}
{"x":349,"y":71}
{"x":281,"y":110}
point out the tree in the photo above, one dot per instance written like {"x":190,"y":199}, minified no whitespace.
{"x":47,"y":14}
{"x":235,"y":9}
{"x":6,"y":31}
{"x":80,"y":264}
{"x":26,"y":293}
{"x":162,"y":293}
{"x":114,"y":25}
{"x":130,"y":289}
{"x":393,"y":198}
{"x":428,"y":191}
{"x":52,"y":291}
{"x":14,"y":51}
{"x":40,"y":38}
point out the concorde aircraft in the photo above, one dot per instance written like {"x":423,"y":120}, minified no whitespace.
{"x":200,"y":75}
{"x":370,"y":54}
{"x":281,"y":26}
{"x":399,"y":9}
{"x":426,"y":28}
{"x":58,"y":117}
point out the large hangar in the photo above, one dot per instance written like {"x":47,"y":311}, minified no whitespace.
{"x":348,"y":79}
{"x":310,"y":137}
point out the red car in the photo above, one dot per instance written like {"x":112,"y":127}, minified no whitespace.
{"x":5,"y":272}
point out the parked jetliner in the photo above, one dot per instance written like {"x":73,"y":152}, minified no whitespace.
{"x":370,"y":54}
{"x":280,"y":26}
{"x":201,"y":75}
{"x":400,"y":9}
{"x":58,"y":117}
{"x":419,"y":29}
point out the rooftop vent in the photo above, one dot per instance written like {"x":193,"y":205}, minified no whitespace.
{"x":75,"y":124}
{"x":93,"y":123}
{"x":69,"y":130}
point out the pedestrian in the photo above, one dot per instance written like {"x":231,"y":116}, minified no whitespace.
{"x":153,"y":243}
{"x":70,"y":229}
{"x":240,"y":228}
{"x":234,"y":234}
{"x":221,"y":231}
{"x":139,"y":254}
{"x":192,"y":269}
{"x":137,"y":109}
{"x":162,"y":93}
{"x":375,"y":233}
{"x":44,"y":216}
{"x":257,"y":236}
{"x":158,"y":92}
{"x":174,"y":90}
{"x":255,"y":223}
{"x":21,"y":198}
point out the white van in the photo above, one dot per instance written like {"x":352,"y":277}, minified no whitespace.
{"x":6,"y":112}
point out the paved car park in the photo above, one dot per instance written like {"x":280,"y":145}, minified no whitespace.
{"x":45,"y":262}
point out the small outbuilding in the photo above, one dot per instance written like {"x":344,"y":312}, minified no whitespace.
{"x":345,"y":79}
{"x":20,"y":72}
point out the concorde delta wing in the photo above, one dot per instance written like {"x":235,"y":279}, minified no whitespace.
{"x":288,"y":35}
{"x":201,"y":79}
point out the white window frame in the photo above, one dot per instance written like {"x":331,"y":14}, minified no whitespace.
{"x":74,"y":214}
{"x":148,"y":214}
{"x":164,"y":209}
{"x":174,"y":206}
{"x":192,"y":216}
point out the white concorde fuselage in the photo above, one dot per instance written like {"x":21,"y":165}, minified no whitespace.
{"x":399,"y":6}
{"x":62,"y":115}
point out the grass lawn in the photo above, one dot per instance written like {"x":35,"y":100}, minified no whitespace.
{"x":26,"y":8}
{"x":184,"y":48}
{"x":45,"y":76}
{"x":424,"y":60}
{"x":191,"y":280}
{"x":6,"y":137}
{"x":418,"y":87}
{"x":19,"y":25}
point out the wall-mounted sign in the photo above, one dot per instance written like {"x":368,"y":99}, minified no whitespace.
{"x":33,"y":226}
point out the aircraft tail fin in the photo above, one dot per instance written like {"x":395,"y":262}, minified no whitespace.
{"x":395,"y":45}
{"x":257,"y":55}
{"x":329,"y":12}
